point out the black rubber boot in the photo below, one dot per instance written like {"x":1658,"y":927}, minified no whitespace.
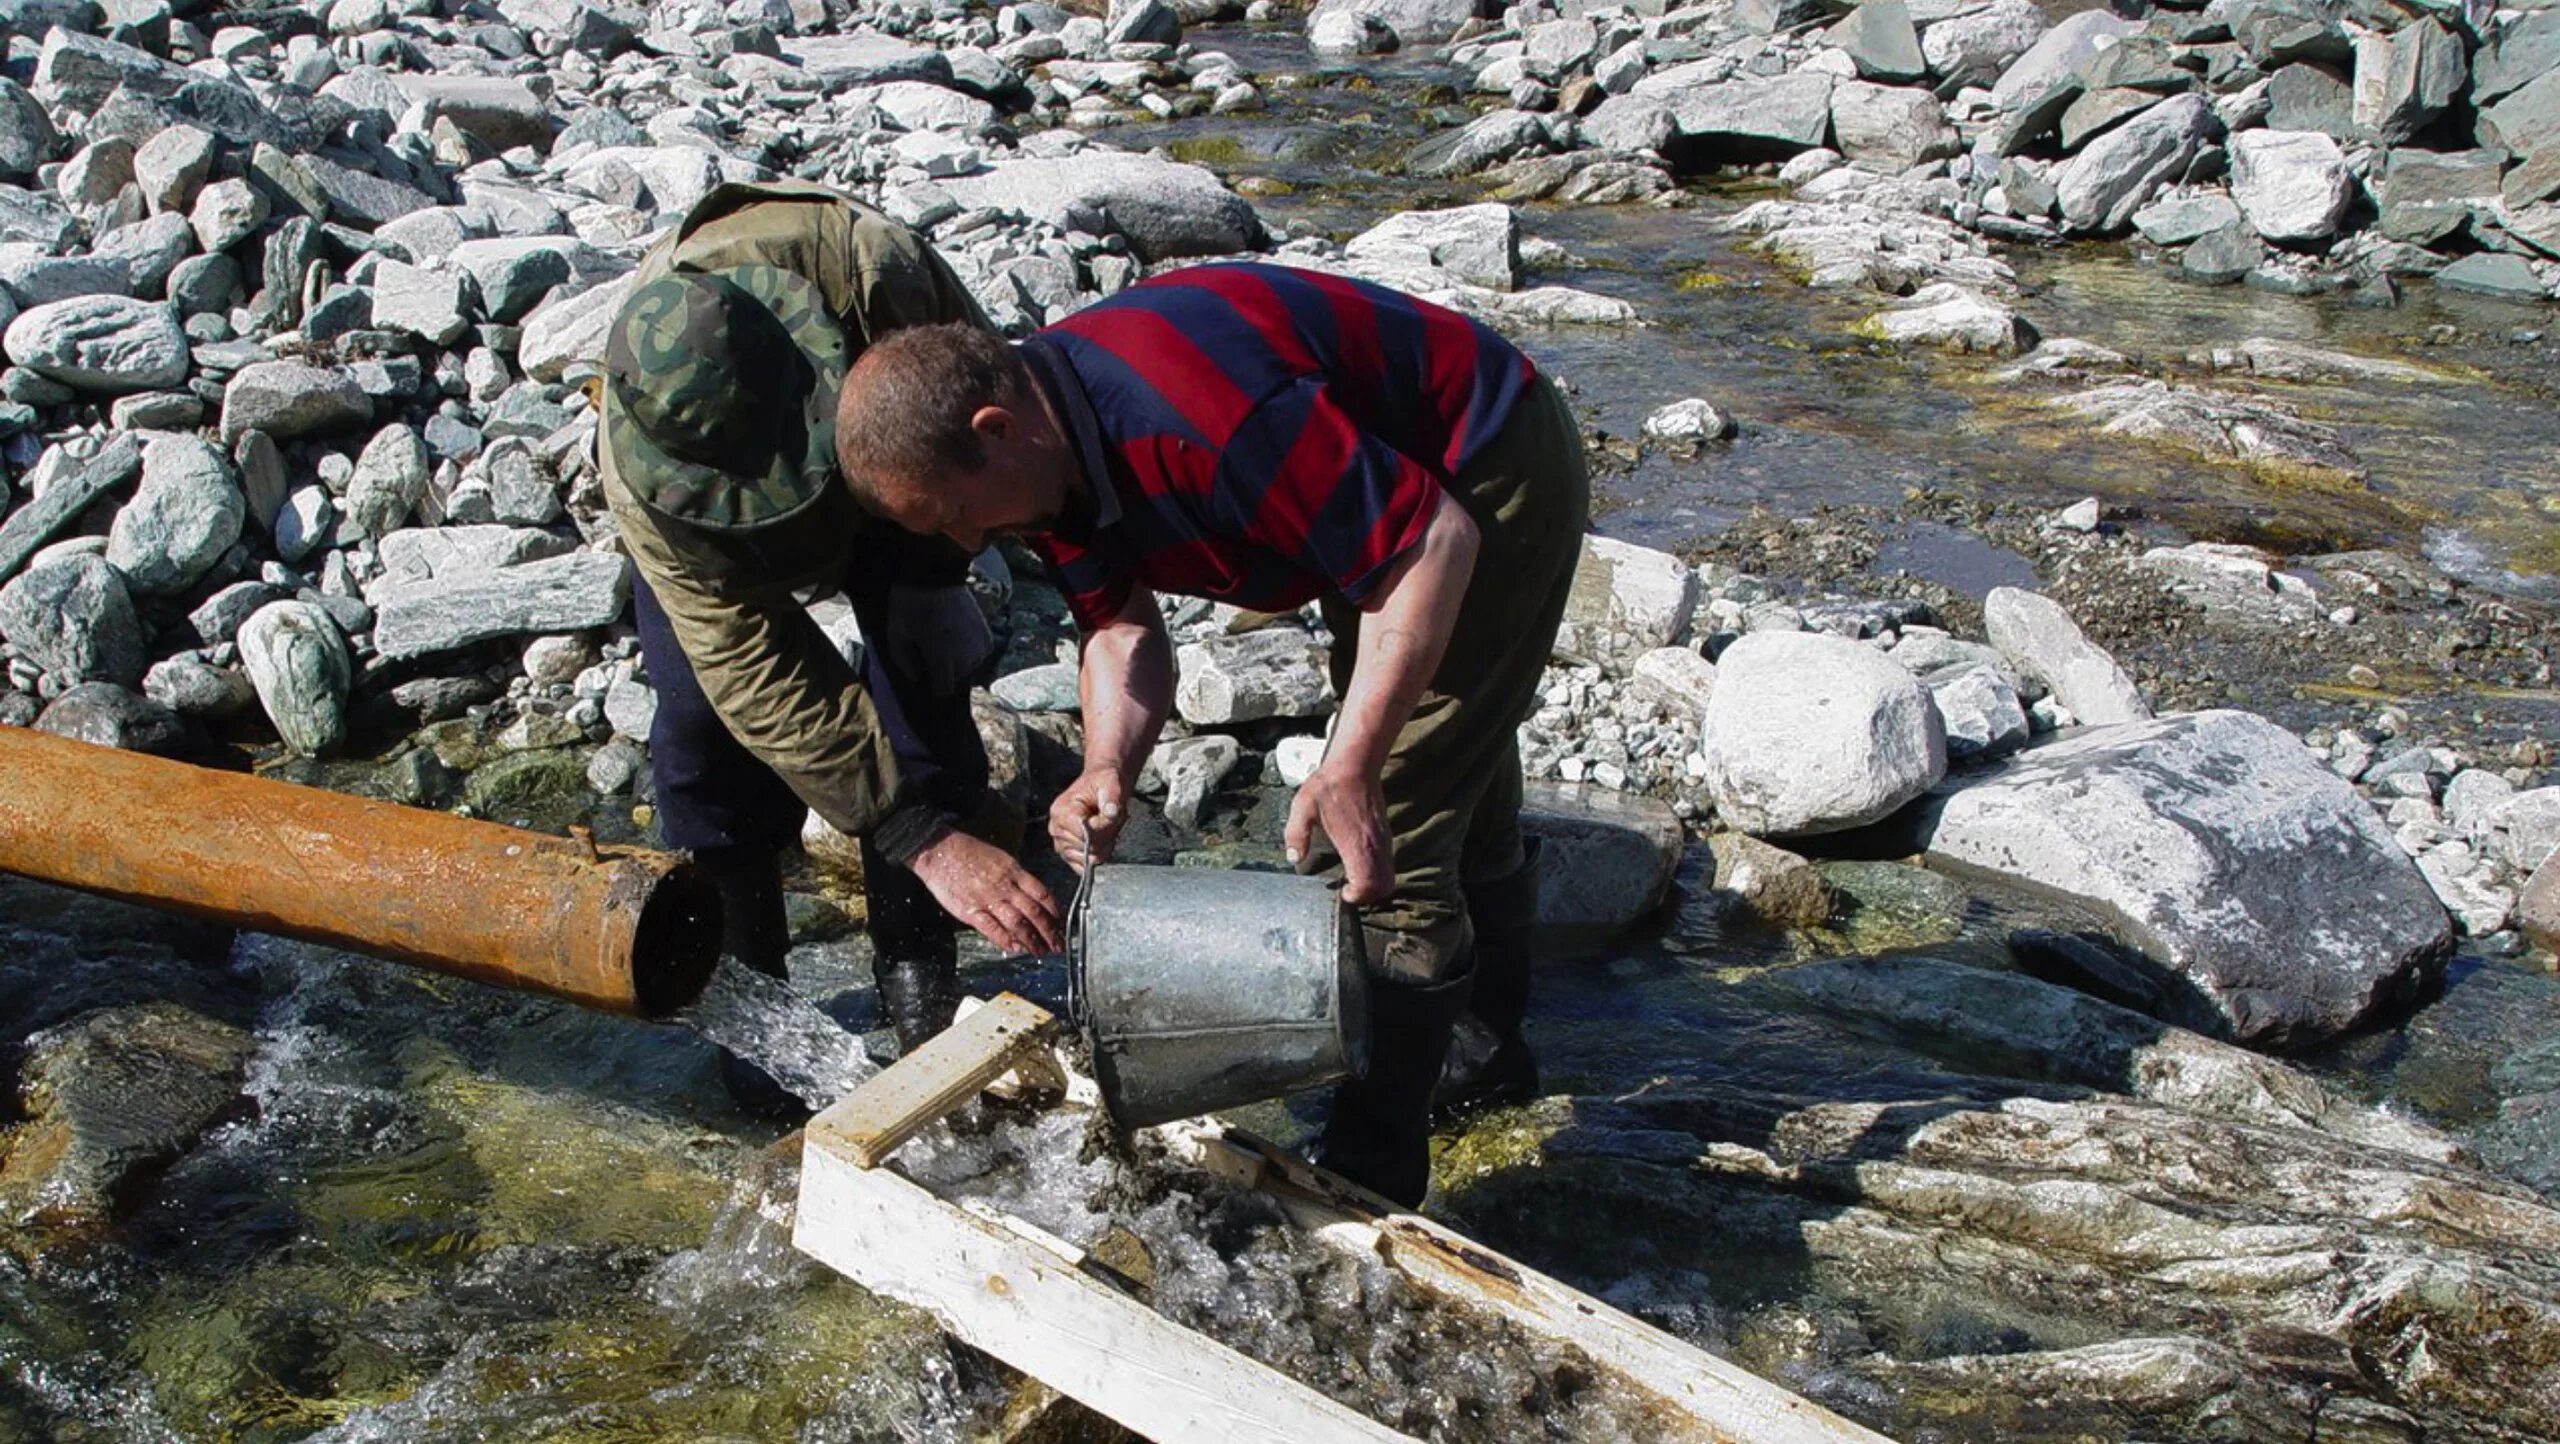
{"x":1379,"y":1132}
{"x":1490,"y":1063}
{"x":756,"y":934}
{"x":915,"y":959}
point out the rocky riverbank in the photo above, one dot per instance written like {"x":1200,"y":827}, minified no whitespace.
{"x":296,"y":470}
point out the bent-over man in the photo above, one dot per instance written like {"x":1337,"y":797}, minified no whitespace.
{"x":1269,"y":436}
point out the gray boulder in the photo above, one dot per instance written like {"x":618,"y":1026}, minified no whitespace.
{"x":194,"y":689}
{"x":1272,"y":672}
{"x":186,"y":513}
{"x":1478,"y":244}
{"x":1890,"y":127}
{"x":2275,"y":32}
{"x":2042,"y":642}
{"x":1948,"y":316}
{"x":2494,"y":274}
{"x":1808,"y":732}
{"x":2058,"y":54}
{"x":1167,"y":209}
{"x":2524,"y":50}
{"x":33,"y":278}
{"x":2312,"y":97}
{"x":1881,"y":41}
{"x":299,"y":665}
{"x":110,"y":344}
{"x":569,"y":329}
{"x":430,"y":305}
{"x":1974,"y":47}
{"x":843,"y":61}
{"x":1413,"y":21}
{"x":1608,"y":861}
{"x":171,"y":167}
{"x":2268,"y":889}
{"x":2426,"y":196}
{"x":564,"y":594}
{"x":2223,"y":255}
{"x":2528,"y":121}
{"x":1980,"y":711}
{"x":113,"y":1095}
{"x":1626,"y":600}
{"x":2293,"y":186}
{"x":1749,"y":118}
{"x":286,"y":399}
{"x":104,"y":714}
{"x":499,"y":112}
{"x":27,"y":136}
{"x":2406,"y":78}
{"x":72,"y":616}
{"x":390,"y":476}
{"x":1500,"y":135}
{"x":2100,"y":188}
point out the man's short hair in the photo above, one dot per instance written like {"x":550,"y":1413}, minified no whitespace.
{"x":905,"y":412}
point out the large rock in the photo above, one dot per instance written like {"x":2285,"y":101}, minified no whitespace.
{"x":1626,"y":601}
{"x":499,"y":112}
{"x":2489,"y":273}
{"x":41,"y":518}
{"x":299,"y":665}
{"x":1478,"y":244}
{"x":1881,"y":41}
{"x":2100,"y":188}
{"x":75,"y":73}
{"x":430,"y":305}
{"x":1167,"y":209}
{"x":2058,"y":54}
{"x":564,"y":594}
{"x":27,"y":136}
{"x":110,"y":1097}
{"x":2525,"y":49}
{"x":2312,"y":97}
{"x":2428,"y":195}
{"x":2041,"y":641}
{"x":514,"y":273}
{"x":286,"y":399}
{"x":2407,"y":78}
{"x":2293,"y":186}
{"x":110,"y":344}
{"x":1979,"y":709}
{"x":1744,"y":119}
{"x":389,"y":479}
{"x":1948,"y":316}
{"x":2255,"y":431}
{"x":2527,"y":122}
{"x":2275,"y":32}
{"x":842,"y":61}
{"x":1889,"y":127}
{"x":186,"y":513}
{"x":2272,"y":894}
{"x":1273,"y":672}
{"x":1808,"y":732}
{"x":1413,"y":21}
{"x":1500,"y":135}
{"x":1609,"y":857}
{"x":569,"y":330}
{"x":449,"y":553}
{"x":104,"y":714}
{"x":1974,"y":47}
{"x":72,"y":616}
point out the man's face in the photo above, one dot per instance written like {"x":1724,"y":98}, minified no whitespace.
{"x":1011,"y":494}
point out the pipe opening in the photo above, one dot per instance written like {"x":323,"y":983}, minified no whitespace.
{"x":676,"y":942}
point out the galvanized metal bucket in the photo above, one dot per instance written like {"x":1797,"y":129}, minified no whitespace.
{"x":1202,"y":989}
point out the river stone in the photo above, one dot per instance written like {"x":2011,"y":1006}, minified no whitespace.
{"x":104,"y":714}
{"x":2177,"y":221}
{"x":569,"y":329}
{"x":2224,"y":255}
{"x":563,"y":594}
{"x":1679,"y":678}
{"x":1626,"y":600}
{"x":1190,"y":769}
{"x":449,"y":553}
{"x":2229,"y":854}
{"x":1413,"y":21}
{"x":299,"y":665}
{"x":1047,"y":688}
{"x":2275,"y":32}
{"x":2312,"y":97}
{"x":1809,"y":732}
{"x":75,"y":73}
{"x":2406,"y":78}
{"x":1768,"y":884}
{"x":72,"y":616}
{"x":842,"y":61}
{"x":1165,"y":208}
{"x":2491,"y":273}
{"x":225,"y":214}
{"x":27,"y":136}
{"x":44,"y":517}
{"x":2293,"y":186}
{"x":1273,"y":672}
{"x":1948,"y":316}
{"x":1980,"y":711}
{"x":2042,"y":642}
{"x":2057,"y":56}
{"x":2526,"y":122}
{"x":1974,"y":48}
{"x":1500,"y":135}
{"x":2095,"y":112}
{"x":111,"y":344}
{"x":1337,"y":29}
{"x":1889,"y":127}
{"x":1478,"y":244}
{"x":172,"y":166}
{"x":217,"y":619}
{"x":389,"y":478}
{"x":33,"y":278}
{"x":1744,"y":119}
{"x":1692,"y":419}
{"x":109,"y":1098}
{"x":184,"y":516}
{"x":2526,"y":48}
{"x":1608,"y":860}
{"x":2100,"y":188}
{"x":286,"y":399}
{"x":1881,"y":42}
{"x":195,"y":689}
{"x":2428,"y":195}
{"x":424,"y":303}
{"x":498,"y":112}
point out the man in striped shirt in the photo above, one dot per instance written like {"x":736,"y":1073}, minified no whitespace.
{"x":1267,"y":436}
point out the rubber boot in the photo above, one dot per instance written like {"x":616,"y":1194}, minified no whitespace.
{"x":915,"y":959}
{"x":1490,"y":1063}
{"x":1379,"y":1132}
{"x":756,"y":934}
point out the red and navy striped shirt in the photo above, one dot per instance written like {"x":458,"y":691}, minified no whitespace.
{"x":1261,"y":435}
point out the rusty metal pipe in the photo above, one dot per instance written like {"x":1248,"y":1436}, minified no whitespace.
{"x":624,"y":930}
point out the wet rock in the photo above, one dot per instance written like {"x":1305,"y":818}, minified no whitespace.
{"x":112,"y":344}
{"x":1167,"y":209}
{"x":1951,"y":318}
{"x":186,"y":513}
{"x":2276,"y":359}
{"x":2224,"y":255}
{"x":288,"y":399}
{"x":1501,"y":135}
{"x":2230,"y":855}
{"x":1882,"y":41}
{"x":1769,"y":885}
{"x":2100,"y":188}
{"x":110,"y":1098}
{"x":2175,"y":222}
{"x":1273,"y":672}
{"x":1413,"y":21}
{"x":299,"y":665}
{"x":2043,"y":642}
{"x":1609,"y":857}
{"x":1890,"y":128}
{"x":2406,"y":78}
{"x":1751,"y":118}
{"x":1693,"y":419}
{"x":2294,"y":186}
{"x":72,"y":616}
{"x":1190,"y":769}
{"x":563,"y":594}
{"x":2263,"y":434}
{"x":104,"y":714}
{"x":1626,"y":600}
{"x":1809,"y":733}
{"x":1979,"y":710}
{"x":1478,"y":244}
{"x":2494,"y":274}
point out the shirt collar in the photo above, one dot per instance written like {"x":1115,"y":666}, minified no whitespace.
{"x":1047,"y":362}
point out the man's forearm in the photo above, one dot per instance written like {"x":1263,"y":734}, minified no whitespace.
{"x":1403,"y":636}
{"x":1126,"y":686}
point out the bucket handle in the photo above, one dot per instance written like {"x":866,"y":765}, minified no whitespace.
{"x":1078,"y":912}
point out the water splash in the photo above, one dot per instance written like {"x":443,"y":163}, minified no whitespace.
{"x":763,"y":1021}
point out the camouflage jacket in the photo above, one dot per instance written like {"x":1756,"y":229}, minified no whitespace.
{"x":769,"y":672}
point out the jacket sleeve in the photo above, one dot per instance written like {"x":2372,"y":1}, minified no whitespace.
{"x":784,"y":691}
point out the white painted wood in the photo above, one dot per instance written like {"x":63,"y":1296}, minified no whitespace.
{"x":1029,"y":1306}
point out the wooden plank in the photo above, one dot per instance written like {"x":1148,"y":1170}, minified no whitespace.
{"x":868,"y":1124}
{"x":1732,"y":1402}
{"x":1029,"y":1305}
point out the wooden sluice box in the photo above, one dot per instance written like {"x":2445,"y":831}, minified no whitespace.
{"x":1041,"y":1305}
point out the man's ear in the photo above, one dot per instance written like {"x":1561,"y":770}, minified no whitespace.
{"x":994,"y":423}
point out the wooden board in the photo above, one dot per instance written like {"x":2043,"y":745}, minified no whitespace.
{"x":1024,"y":1297}
{"x":868,"y":1124}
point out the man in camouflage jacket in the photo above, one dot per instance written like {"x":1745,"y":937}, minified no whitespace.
{"x":717,"y":447}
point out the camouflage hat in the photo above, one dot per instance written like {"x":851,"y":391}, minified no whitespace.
{"x":720,"y":396}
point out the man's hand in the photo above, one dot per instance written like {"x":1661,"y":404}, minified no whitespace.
{"x":1098,"y":800}
{"x":980,"y":884}
{"x":1351,"y":808}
